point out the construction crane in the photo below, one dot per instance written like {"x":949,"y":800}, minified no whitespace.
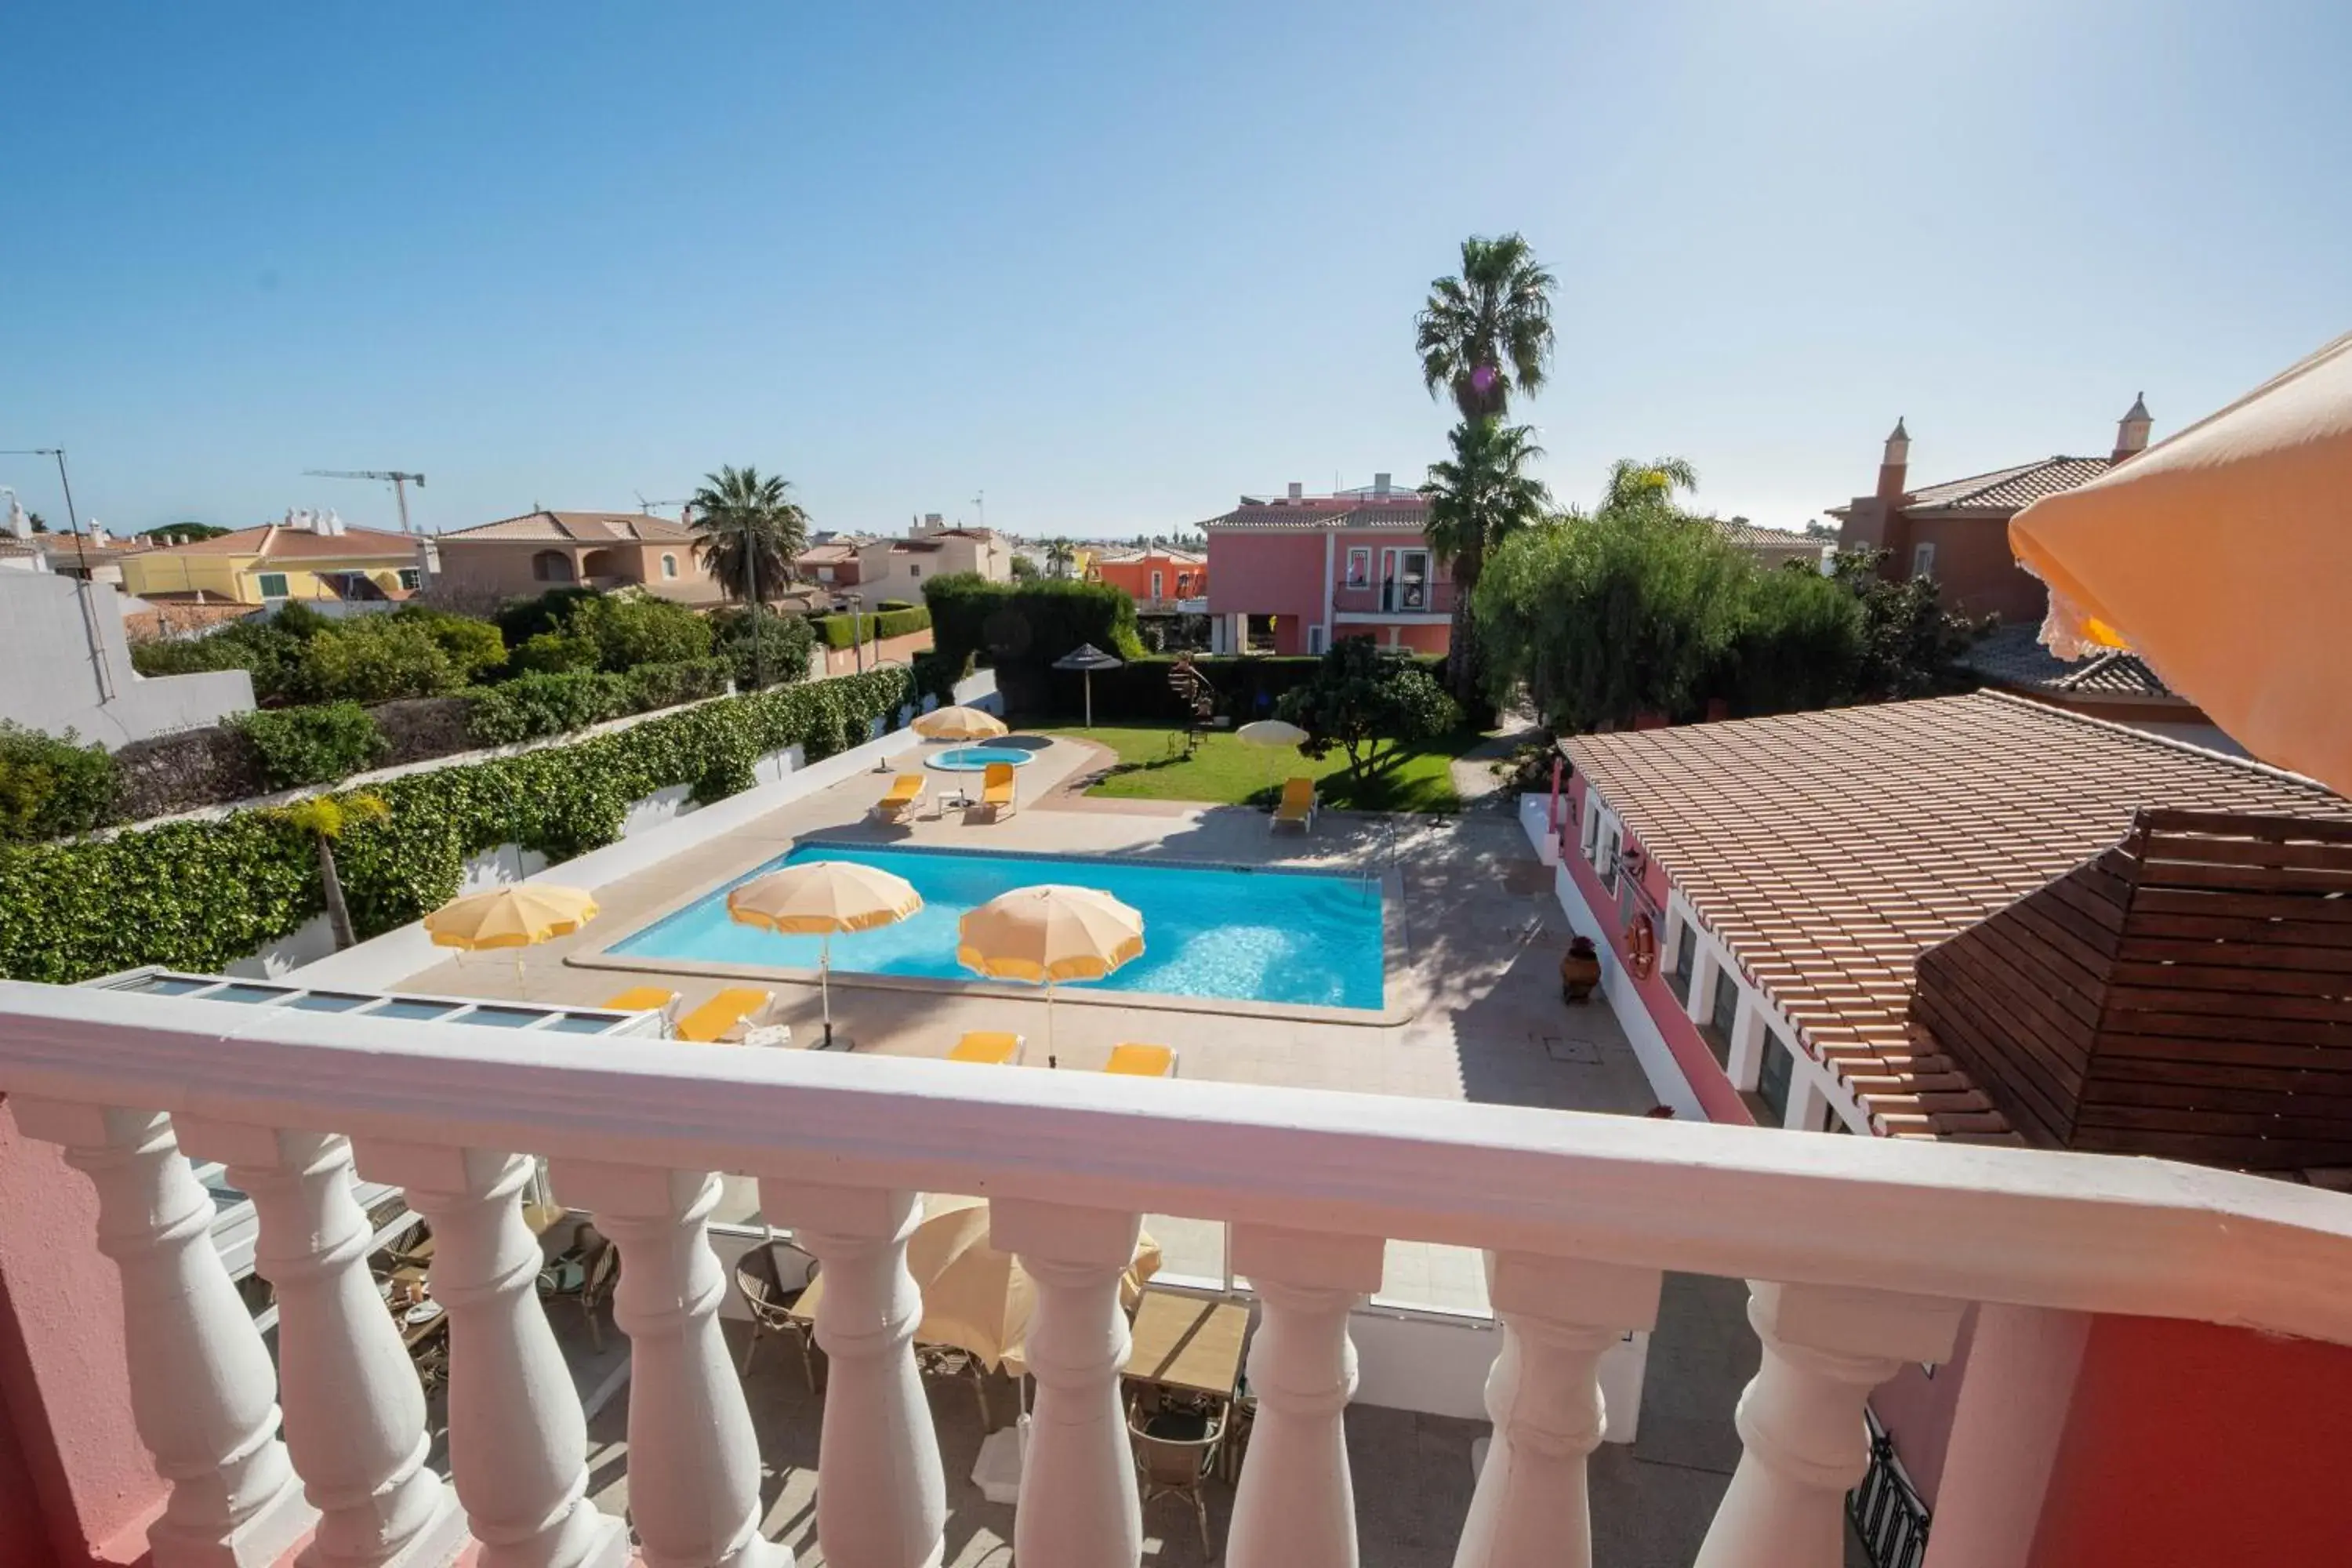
{"x":646,"y":507}
{"x":398,"y":480}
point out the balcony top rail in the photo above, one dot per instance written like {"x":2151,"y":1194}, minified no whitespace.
{"x":2083,"y":1232}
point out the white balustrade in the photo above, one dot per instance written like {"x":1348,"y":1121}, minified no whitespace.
{"x":1078,"y":1506}
{"x":694,"y":1460}
{"x":354,"y":1410}
{"x":1824,"y":1350}
{"x":518,"y":1440}
{"x":1296,"y":1507}
{"x":201,"y":1385}
{"x":1559,"y":1317}
{"x":881,"y":1496}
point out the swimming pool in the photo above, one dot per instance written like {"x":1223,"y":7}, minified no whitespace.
{"x":1295,"y":937}
{"x":975,"y":759}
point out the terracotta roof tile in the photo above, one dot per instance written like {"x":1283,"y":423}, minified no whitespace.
{"x":275,"y":542}
{"x":579,"y":528}
{"x":2009,"y":489}
{"x":1828,"y":850}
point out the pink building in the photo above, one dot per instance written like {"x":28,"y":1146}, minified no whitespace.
{"x":1293,"y":575}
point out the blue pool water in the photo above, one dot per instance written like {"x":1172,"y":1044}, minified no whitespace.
{"x":975,"y":759}
{"x":1208,"y":931}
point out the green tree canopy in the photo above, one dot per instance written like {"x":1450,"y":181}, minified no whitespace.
{"x":1487,"y":332}
{"x":1478,"y":498}
{"x":1369,"y":703}
{"x":750,"y":530}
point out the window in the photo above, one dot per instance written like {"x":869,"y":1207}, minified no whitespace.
{"x":1686,"y":960}
{"x":411,"y":578}
{"x":1315,"y":639}
{"x":1155,"y":585}
{"x":1592,"y":833}
{"x":1725,"y":1013}
{"x":1405,"y":579}
{"x":1183,"y":585}
{"x":1359,"y":568}
{"x":1607,"y":863}
{"x":913,"y":570}
{"x":669,"y":565}
{"x":552,"y":566}
{"x":273,"y":584}
{"x":1923,"y":560}
{"x":1626,"y":903}
{"x":1773,"y":1074}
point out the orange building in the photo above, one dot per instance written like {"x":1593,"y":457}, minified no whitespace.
{"x":1155,"y":577}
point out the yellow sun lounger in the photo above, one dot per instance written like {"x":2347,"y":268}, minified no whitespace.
{"x":996,"y":790}
{"x":643,"y":999}
{"x":1142,"y":1061}
{"x":712,"y":1022}
{"x":999,"y":1049}
{"x":906,"y":796}
{"x":1298,"y":806}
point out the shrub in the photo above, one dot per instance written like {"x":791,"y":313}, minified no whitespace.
{"x":475,"y":647}
{"x":631,"y":629}
{"x":51,"y":787}
{"x":376,"y":659}
{"x":937,"y":677}
{"x":844,"y":631}
{"x":888,"y":605}
{"x":519,"y":620}
{"x":652,"y":686}
{"x":1023,"y":627}
{"x":780,"y":652}
{"x":297,"y":746}
{"x":556,"y":653}
{"x":1368,"y":702}
{"x":530,"y":706}
{"x":263,"y":647}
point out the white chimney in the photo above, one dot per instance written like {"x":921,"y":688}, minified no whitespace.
{"x":334,"y":523}
{"x":1381,"y":485}
{"x":1298,"y":491}
{"x":20,"y":523}
{"x":97,"y":535}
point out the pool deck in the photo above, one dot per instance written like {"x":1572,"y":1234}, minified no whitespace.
{"x":1472,"y":972}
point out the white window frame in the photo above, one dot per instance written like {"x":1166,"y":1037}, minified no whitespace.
{"x":1315,"y":643}
{"x":1359,"y":566}
{"x":669,"y":565}
{"x":1923,"y":558}
{"x":1156,"y":584}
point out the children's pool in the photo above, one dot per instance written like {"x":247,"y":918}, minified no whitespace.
{"x":1279,"y":936}
{"x":975,"y":759}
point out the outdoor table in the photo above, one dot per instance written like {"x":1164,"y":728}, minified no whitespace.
{"x":1188,"y":1345}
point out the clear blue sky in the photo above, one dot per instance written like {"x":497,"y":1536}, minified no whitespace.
{"x":1116,"y":265}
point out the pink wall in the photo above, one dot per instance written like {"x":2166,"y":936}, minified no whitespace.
{"x":1266,"y":573}
{"x":1916,"y":1411}
{"x":1715,"y":1096}
{"x":65,"y":1389}
{"x":2194,"y":1443}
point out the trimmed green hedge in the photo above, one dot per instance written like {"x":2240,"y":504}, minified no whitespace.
{"x":1246,"y":687}
{"x":843,"y":631}
{"x":530,"y":706}
{"x":1021,"y":628}
{"x":297,"y":746}
{"x":200,"y":894}
{"x":50,"y":787}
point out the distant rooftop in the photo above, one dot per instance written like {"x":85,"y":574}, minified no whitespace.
{"x":2014,"y":656}
{"x":275,"y":541}
{"x":2009,"y":489}
{"x":581,"y":528}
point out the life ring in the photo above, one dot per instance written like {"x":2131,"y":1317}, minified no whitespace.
{"x":1642,"y":947}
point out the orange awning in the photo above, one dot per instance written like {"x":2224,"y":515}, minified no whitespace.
{"x":2223,"y":558}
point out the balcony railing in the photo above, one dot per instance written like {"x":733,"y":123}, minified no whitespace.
{"x":1862,"y":1254}
{"x":1395,"y":598}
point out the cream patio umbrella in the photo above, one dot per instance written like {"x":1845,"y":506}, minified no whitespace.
{"x":1272,"y":735}
{"x":2223,"y":557}
{"x":819,"y":898}
{"x":517,"y":915}
{"x":975,"y":1298}
{"x":959,"y":724}
{"x":1049,"y":933}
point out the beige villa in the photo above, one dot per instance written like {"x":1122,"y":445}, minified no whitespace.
{"x":517,"y":556}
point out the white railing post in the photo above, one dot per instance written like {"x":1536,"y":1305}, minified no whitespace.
{"x":518,"y":1440}
{"x":1824,"y":1350}
{"x":1079,"y":1505}
{"x":881,"y":1495}
{"x":693,"y":1459}
{"x":201,"y":1391}
{"x":355,"y":1409}
{"x":1296,"y":1507}
{"x":1559,"y":1316}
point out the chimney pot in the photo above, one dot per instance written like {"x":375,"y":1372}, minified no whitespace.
{"x":1380,"y":484}
{"x":1895,"y":464}
{"x":1298,"y":491}
{"x":2131,"y":431}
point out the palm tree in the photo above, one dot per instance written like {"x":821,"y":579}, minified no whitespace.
{"x":1478,"y":498}
{"x":324,"y":818}
{"x":1487,"y":332}
{"x":1060,"y":556}
{"x":750,"y":529}
{"x":1632,"y":483}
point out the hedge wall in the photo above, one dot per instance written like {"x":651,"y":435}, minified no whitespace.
{"x":1023,"y":627}
{"x":843,"y":631}
{"x":1246,"y":687}
{"x":200,"y":894}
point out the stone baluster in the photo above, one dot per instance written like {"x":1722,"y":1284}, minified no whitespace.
{"x":694,"y":1460}
{"x":1296,"y":1507}
{"x":518,"y":1441}
{"x":1824,"y":1350}
{"x":1559,"y":1317}
{"x":202,"y":1392}
{"x":1079,"y":1507}
{"x":355,"y":1409}
{"x":881,"y":1496}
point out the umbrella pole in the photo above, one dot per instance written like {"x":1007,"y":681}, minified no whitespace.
{"x":1090,"y":700}
{"x":824,"y":984}
{"x":1050,"y":1060}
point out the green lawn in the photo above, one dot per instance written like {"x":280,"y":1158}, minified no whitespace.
{"x":1152,"y":766}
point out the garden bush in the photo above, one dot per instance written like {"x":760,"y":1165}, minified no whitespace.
{"x":530,"y":706}
{"x":780,"y":655}
{"x":51,"y":787}
{"x":519,"y":620}
{"x":201,"y":895}
{"x":376,"y":659}
{"x":652,"y":686}
{"x":1023,"y":627}
{"x":844,"y":631}
{"x":267,"y":647}
{"x":631,"y":629}
{"x":1246,"y":687}
{"x":297,"y":746}
{"x":555,"y":653}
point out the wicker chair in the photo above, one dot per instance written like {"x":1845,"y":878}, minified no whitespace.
{"x":599,"y":1269}
{"x":770,"y":1289}
{"x":1175,"y":1454}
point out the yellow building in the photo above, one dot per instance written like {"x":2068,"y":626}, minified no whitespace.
{"x":279,"y":561}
